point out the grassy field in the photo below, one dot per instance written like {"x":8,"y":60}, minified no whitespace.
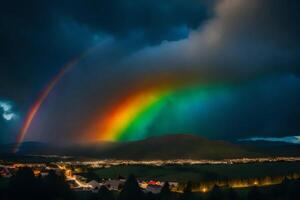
{"x":201,"y":172}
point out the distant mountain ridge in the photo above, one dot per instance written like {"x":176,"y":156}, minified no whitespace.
{"x":175,"y":147}
{"x":180,"y":146}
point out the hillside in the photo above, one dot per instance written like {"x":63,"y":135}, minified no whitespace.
{"x":171,"y":147}
{"x":163,"y":147}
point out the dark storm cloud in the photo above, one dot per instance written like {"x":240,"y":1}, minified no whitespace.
{"x":37,"y":35}
{"x":243,"y":41}
{"x":34,"y":43}
{"x":147,"y":42}
{"x":245,"y":38}
{"x":147,"y":20}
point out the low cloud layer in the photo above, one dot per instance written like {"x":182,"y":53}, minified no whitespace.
{"x":291,"y":139}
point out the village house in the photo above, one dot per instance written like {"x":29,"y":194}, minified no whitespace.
{"x":155,"y":189}
{"x":114,"y":184}
{"x":95,"y":186}
{"x":4,"y":172}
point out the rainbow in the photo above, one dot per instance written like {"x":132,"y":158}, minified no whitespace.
{"x":129,"y":119}
{"x":38,"y":103}
{"x":43,"y":96}
{"x":131,"y":110}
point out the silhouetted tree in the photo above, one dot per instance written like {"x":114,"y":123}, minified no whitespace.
{"x":23,"y":185}
{"x":187,"y":192}
{"x":255,"y":194}
{"x":188,"y":188}
{"x":216,"y":193}
{"x":165,"y":193}
{"x":165,"y":190}
{"x":55,"y":186}
{"x":131,"y":190}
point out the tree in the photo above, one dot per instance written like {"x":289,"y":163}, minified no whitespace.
{"x":131,"y":190}
{"x":188,"y":188}
{"x":187,"y":192}
{"x":23,"y":185}
{"x":165,"y":193}
{"x":55,"y":186}
{"x":216,"y":193}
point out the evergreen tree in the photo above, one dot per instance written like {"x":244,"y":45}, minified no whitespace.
{"x":216,"y":193}
{"x":23,"y":185}
{"x":131,"y":190}
{"x":187,"y":192}
{"x":165,"y":193}
{"x":55,"y":186}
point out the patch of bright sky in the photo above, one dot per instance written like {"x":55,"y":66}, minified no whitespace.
{"x":6,"y":111}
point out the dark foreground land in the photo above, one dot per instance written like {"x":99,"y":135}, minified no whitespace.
{"x":196,"y":173}
{"x":24,"y":185}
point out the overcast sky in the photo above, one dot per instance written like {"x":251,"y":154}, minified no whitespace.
{"x":247,"y":52}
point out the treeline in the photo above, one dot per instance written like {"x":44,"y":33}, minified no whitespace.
{"x":206,"y":185}
{"x":24,"y":185}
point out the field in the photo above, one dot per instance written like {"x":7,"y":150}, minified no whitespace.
{"x":183,"y":173}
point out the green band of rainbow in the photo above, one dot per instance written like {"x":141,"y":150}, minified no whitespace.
{"x":130,"y":118}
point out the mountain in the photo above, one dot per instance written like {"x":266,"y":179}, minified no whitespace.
{"x":174,"y":147}
{"x":180,"y":146}
{"x":28,"y":148}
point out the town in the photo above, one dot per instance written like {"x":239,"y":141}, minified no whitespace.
{"x":78,"y":178}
